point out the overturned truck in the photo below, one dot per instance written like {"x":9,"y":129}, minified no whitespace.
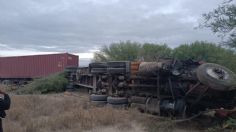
{"x":168,"y":87}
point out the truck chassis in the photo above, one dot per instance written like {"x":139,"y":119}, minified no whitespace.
{"x":168,"y":87}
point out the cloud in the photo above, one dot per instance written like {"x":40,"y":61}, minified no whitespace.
{"x":22,"y":52}
{"x":85,"y":55}
{"x":4,"y":46}
{"x":103,"y":2}
{"x":82,"y":26}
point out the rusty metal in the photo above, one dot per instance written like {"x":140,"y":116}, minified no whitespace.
{"x":149,"y":68}
{"x":192,"y":88}
{"x":199,"y":97}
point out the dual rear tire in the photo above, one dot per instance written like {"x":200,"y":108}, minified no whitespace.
{"x":98,"y":100}
{"x":216,"y":77}
{"x":117,"y":102}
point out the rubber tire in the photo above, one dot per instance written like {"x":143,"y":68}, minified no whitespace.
{"x":98,"y":97}
{"x":117,"y":100}
{"x":116,"y":70}
{"x":98,"y":70}
{"x":98,"y":65}
{"x":216,"y":84}
{"x":117,"y":64}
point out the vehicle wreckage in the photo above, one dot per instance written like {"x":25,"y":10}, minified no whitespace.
{"x":167,"y":87}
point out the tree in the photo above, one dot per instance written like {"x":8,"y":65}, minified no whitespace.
{"x":208,"y":52}
{"x":222,"y":21}
{"x":151,"y":52}
{"x":132,"y":51}
{"x":118,"y":51}
{"x":198,"y":50}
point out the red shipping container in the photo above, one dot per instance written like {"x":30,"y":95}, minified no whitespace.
{"x":36,"y":65}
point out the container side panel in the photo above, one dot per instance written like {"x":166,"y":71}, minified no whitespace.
{"x":34,"y":66}
{"x":72,"y":60}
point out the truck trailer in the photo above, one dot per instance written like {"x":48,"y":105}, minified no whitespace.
{"x":20,"y":69}
{"x":167,"y":87}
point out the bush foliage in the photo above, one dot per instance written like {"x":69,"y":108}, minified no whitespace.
{"x":208,"y":52}
{"x":199,"y":50}
{"x":50,"y":84}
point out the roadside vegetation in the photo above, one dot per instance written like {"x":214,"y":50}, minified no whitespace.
{"x":199,"y":50}
{"x":51,"y":84}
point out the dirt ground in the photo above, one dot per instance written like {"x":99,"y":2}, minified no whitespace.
{"x":67,"y":112}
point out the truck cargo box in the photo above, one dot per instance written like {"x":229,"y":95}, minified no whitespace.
{"x":36,"y":65}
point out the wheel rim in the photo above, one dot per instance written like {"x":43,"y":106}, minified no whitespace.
{"x":217,"y":73}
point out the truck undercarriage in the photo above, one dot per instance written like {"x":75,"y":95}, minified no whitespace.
{"x":168,"y":87}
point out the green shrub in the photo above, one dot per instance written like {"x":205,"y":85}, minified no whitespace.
{"x":53,"y":83}
{"x":230,"y":123}
{"x":208,"y":52}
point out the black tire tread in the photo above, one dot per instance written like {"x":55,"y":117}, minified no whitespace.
{"x":98,"y":97}
{"x":98,"y":65}
{"x":98,"y":70}
{"x":221,"y":85}
{"x":117,"y":100}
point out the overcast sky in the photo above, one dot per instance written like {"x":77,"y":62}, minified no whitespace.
{"x":82,"y":26}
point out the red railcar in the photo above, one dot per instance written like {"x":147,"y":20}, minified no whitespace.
{"x":36,"y":65}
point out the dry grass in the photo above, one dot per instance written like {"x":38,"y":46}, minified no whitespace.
{"x":74,"y":113}
{"x":62,"y":113}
